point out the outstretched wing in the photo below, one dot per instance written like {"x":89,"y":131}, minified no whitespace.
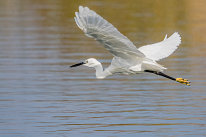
{"x":162,"y":49}
{"x":95,"y":26}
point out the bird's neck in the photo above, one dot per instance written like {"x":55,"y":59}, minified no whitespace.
{"x":100,"y":73}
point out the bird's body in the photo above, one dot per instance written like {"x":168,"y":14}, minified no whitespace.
{"x":127,"y":58}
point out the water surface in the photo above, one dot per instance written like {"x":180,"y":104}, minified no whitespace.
{"x":41,"y":96}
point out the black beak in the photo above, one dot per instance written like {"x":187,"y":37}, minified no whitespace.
{"x":78,"y":64}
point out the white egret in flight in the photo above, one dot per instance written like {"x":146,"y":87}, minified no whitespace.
{"x":127,"y":58}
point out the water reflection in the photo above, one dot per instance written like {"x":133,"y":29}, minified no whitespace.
{"x":41,"y":96}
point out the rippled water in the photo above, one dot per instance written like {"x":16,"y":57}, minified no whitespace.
{"x":41,"y":96}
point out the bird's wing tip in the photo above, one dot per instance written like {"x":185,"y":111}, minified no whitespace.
{"x":178,"y":37}
{"x":177,"y":34}
{"x":83,"y":8}
{"x":165,"y":37}
{"x":175,"y":37}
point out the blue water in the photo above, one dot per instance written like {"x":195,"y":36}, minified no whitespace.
{"x":41,"y":96}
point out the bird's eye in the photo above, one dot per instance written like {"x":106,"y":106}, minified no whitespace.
{"x":86,"y":61}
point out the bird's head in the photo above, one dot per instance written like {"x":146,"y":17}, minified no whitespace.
{"x":91,"y":62}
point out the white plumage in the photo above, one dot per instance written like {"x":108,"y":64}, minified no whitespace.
{"x":95,"y":26}
{"x":162,"y":49}
{"x":127,"y":58}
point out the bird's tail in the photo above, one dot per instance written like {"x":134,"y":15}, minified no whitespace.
{"x":151,"y":65}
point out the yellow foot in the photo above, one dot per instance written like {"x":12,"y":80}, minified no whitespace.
{"x":183,"y":81}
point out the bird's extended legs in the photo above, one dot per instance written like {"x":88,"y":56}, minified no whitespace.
{"x":180,"y":80}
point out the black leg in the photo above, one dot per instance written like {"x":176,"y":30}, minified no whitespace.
{"x":180,"y":80}
{"x":161,"y":74}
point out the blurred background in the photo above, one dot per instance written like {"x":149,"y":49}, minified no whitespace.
{"x":41,"y":96}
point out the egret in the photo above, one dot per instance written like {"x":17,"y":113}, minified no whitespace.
{"x":128,"y":59}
